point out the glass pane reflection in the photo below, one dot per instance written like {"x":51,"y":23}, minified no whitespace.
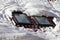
{"x":21,"y":18}
{"x":42,"y":20}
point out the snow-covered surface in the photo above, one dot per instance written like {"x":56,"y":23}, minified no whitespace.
{"x":56,"y":4}
{"x":32,"y":7}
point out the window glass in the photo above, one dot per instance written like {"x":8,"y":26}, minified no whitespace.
{"x":22,"y":18}
{"x":42,"y":20}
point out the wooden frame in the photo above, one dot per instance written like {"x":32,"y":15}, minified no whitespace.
{"x":33,"y":22}
{"x":49,"y":19}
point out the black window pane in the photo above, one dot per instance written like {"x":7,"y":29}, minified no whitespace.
{"x":42,"y":20}
{"x":22,"y":18}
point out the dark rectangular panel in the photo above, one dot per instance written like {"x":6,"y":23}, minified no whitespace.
{"x":42,"y":20}
{"x":21,"y":18}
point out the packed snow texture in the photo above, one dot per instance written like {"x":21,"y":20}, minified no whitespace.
{"x":8,"y":31}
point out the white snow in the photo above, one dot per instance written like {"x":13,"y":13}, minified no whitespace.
{"x":8,"y":31}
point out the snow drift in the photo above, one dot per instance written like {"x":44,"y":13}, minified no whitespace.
{"x":31,"y":7}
